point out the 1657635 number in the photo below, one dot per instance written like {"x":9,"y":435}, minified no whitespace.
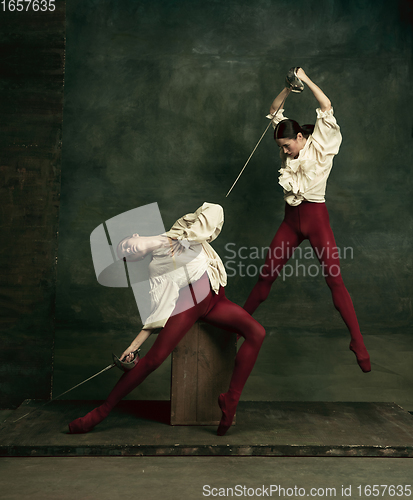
{"x":377,"y":490}
{"x":26,"y":5}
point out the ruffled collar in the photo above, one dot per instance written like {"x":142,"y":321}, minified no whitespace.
{"x":298,"y":173}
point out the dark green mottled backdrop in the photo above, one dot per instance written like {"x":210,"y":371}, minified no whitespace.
{"x":32,"y":55}
{"x":164,"y":101}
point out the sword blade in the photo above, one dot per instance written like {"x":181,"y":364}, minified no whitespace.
{"x":246,"y":163}
{"x":256,"y":146}
{"x":109,"y":367}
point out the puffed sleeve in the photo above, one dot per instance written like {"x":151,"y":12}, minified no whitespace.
{"x":326,"y":135}
{"x":277,"y":117}
{"x":203,"y":225}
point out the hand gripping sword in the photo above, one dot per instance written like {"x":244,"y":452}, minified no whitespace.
{"x":123,"y":365}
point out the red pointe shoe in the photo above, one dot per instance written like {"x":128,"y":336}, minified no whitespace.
{"x":228,"y":413}
{"x":85,"y":424}
{"x":363,"y":358}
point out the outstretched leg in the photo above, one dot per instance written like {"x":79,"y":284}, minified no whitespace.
{"x":282,"y":248}
{"x":168,"y":338}
{"x":323,"y":242}
{"x":225,"y":314}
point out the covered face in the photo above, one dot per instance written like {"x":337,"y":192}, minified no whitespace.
{"x":132,"y":248}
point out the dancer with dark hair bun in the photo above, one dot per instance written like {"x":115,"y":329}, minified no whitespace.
{"x":307,"y":154}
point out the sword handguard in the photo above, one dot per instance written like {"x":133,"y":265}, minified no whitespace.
{"x":293,"y":82}
{"x":126,"y":365}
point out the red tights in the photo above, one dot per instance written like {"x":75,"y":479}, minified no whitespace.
{"x":310,"y":221}
{"x":214,"y":309}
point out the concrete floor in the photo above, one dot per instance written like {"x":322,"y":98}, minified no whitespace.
{"x":171,"y":478}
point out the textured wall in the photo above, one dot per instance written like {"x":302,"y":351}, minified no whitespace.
{"x":31,"y":112}
{"x":164,"y":101}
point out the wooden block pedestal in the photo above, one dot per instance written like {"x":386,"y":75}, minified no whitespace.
{"x":202,"y":366}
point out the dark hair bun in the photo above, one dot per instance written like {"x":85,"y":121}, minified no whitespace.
{"x":288,"y":129}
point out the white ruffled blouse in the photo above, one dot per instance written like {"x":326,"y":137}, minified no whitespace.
{"x":305,"y":178}
{"x":169,"y":274}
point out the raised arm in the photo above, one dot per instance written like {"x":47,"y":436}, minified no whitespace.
{"x":322,"y":99}
{"x":279,"y":99}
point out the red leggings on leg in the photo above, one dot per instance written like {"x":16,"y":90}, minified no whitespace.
{"x":214,"y":309}
{"x":310,"y":221}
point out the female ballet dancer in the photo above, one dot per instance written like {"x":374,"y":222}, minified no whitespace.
{"x":307,"y":154}
{"x":187,"y":280}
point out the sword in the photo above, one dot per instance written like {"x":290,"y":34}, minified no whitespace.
{"x":126,"y":366}
{"x":256,"y":146}
{"x":294,"y":85}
